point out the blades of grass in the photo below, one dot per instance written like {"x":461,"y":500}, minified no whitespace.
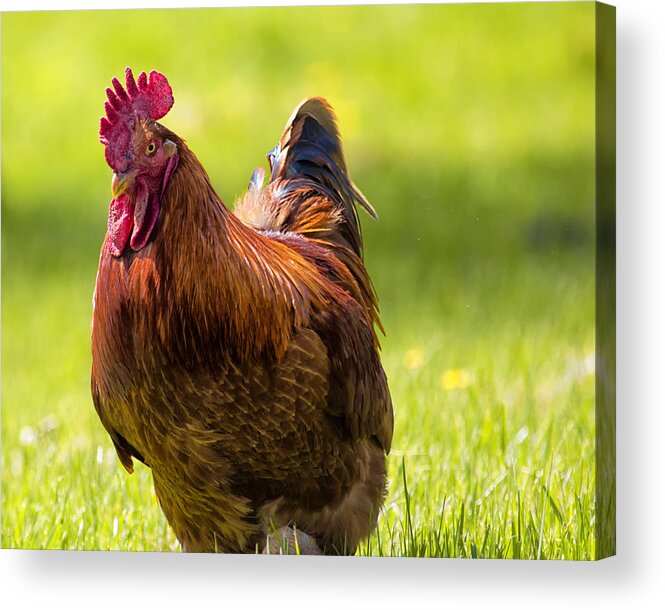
{"x":438,"y":531}
{"x":460,"y":533}
{"x":379,"y":544}
{"x":407,"y":499}
{"x":517,"y":529}
{"x":542,"y":513}
{"x":555,"y":507}
{"x":484,"y":547}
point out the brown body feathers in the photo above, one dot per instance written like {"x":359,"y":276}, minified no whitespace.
{"x":235,"y":354}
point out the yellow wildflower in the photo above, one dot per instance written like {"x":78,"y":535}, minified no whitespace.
{"x":456,"y":379}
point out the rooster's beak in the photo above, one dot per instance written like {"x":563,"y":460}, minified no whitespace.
{"x":121,"y":182}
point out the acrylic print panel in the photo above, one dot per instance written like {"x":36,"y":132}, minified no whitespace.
{"x":240,"y":367}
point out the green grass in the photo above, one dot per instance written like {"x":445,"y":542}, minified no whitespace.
{"x":470,"y":128}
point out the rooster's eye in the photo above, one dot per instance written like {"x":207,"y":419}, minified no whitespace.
{"x":151,"y":148}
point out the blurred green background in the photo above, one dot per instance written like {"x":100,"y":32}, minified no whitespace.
{"x":471,"y":130}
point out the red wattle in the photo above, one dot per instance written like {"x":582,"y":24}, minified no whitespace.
{"x":145,"y":216}
{"x":132,"y":219}
{"x":121,"y":222}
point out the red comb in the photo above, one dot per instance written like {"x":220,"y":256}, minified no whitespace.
{"x":148,"y":98}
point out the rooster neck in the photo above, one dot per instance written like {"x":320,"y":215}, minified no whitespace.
{"x":224,"y":278}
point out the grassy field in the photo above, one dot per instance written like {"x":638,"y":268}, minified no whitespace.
{"x":470,"y":128}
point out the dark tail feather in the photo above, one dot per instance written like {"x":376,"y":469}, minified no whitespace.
{"x":311,"y":140}
{"x":310,"y":155}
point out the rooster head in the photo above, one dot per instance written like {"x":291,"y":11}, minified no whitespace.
{"x":141,"y":155}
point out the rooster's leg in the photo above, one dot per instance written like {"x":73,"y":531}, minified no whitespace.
{"x":290,"y":541}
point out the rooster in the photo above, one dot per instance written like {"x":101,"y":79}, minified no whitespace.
{"x":235,"y":354}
